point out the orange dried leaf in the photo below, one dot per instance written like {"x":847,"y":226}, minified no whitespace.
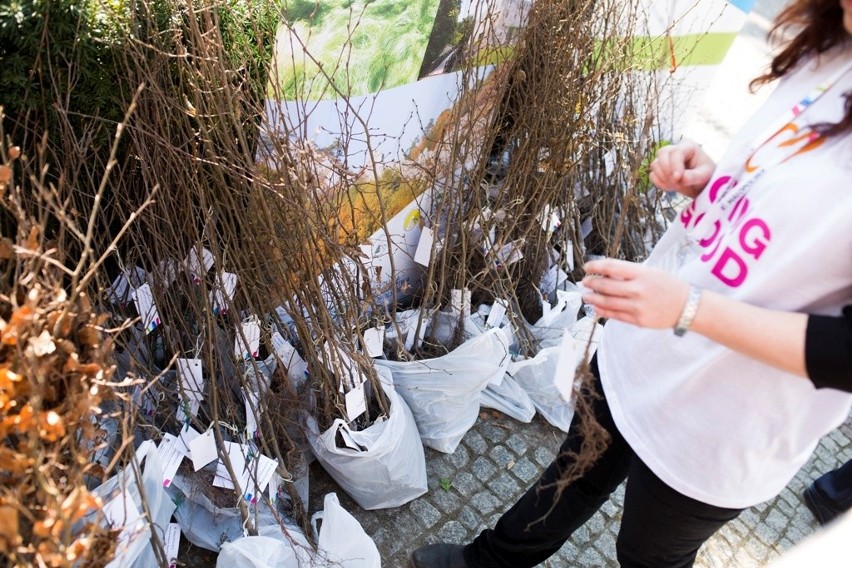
{"x":50,"y":426}
{"x":33,"y":238}
{"x":7,"y":250}
{"x":10,"y":534}
{"x":88,"y":336}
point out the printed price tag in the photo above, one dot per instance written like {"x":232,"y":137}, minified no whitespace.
{"x":258,"y":476}
{"x":247,"y":342}
{"x":460,"y":302}
{"x":203,"y":450}
{"x":424,"y":247}
{"x":569,"y":254}
{"x":252,"y":404}
{"x":374,"y":341}
{"x":171,"y":454}
{"x":171,"y":543}
{"x":146,"y":308}
{"x":566,"y":366}
{"x":356,"y":403}
{"x":497,"y":313}
{"x":222,"y":295}
{"x":197,"y":264}
{"x":167,"y":271}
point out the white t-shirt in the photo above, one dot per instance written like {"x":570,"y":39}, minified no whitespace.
{"x":715,"y":425}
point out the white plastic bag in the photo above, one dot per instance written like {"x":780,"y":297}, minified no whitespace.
{"x":538,"y":377}
{"x":509,"y":398}
{"x":443,"y":393}
{"x":123,"y":502}
{"x":341,"y":543}
{"x":341,"y":540}
{"x":549,"y":328}
{"x":391,"y":471}
{"x":263,"y":552}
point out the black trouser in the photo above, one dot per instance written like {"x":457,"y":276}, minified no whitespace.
{"x":659,"y":527}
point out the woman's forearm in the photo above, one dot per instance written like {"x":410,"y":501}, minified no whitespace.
{"x":773,"y":337}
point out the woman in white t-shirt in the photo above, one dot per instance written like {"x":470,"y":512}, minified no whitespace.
{"x":752,"y":278}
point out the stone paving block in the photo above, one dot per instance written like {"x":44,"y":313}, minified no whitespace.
{"x":501,"y":456}
{"x":517,"y":444}
{"x":447,"y":501}
{"x":469,"y":518}
{"x":483,"y":468}
{"x":477,"y":444}
{"x":525,"y":470}
{"x":465,"y":483}
{"x":485,"y":502}
{"x":493,"y":433}
{"x":505,"y":486}
{"x":425,"y":513}
{"x":438,"y":468}
{"x":543,"y":456}
{"x":453,"y":531}
{"x":460,"y":458}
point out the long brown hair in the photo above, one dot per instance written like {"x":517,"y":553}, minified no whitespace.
{"x":820,"y":27}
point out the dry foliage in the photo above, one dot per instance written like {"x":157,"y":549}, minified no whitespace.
{"x":55,"y":368}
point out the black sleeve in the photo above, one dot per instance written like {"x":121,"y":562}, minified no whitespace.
{"x":828,"y":350}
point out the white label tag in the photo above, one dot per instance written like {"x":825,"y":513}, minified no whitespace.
{"x":343,"y":365}
{"x":356,"y":403}
{"x":424,"y":247}
{"x":237,"y":456}
{"x":374,"y":341}
{"x":510,"y":253}
{"x":171,"y":454}
{"x":146,"y":307}
{"x":167,"y":271}
{"x":222,"y":295}
{"x":569,"y":254}
{"x":203,"y":450}
{"x":586,"y":227}
{"x":252,"y":401}
{"x":247,"y":341}
{"x":171,"y":543}
{"x":199,"y":265}
{"x":122,"y":513}
{"x":460,"y":302}
{"x":191,"y":377}
{"x":257,"y":477}
{"x":274,"y":482}
{"x":566,"y":367}
{"x":497,"y":313}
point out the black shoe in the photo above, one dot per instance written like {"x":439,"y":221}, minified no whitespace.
{"x":822,"y":510}
{"x":440,"y":555}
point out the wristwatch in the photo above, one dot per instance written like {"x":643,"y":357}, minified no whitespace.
{"x":690,"y":308}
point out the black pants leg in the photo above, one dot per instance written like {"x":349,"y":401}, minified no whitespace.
{"x":530,"y":532}
{"x":660,"y":527}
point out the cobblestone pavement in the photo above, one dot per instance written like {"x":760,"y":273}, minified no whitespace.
{"x":500,"y":457}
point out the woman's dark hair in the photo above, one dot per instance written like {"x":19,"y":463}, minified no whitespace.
{"x":820,"y":27}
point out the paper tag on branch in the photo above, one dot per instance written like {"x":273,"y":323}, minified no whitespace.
{"x":510,"y":253}
{"x":146,"y":307}
{"x":203,"y":450}
{"x":167,"y":271}
{"x":223,"y":294}
{"x":460,"y":302}
{"x":171,"y":543}
{"x":171,"y":454}
{"x":252,"y":407}
{"x":374,"y":341}
{"x":356,"y":403}
{"x":197,"y":264}
{"x":121,"y":291}
{"x":247,"y":342}
{"x":424,"y":247}
{"x":497,"y":313}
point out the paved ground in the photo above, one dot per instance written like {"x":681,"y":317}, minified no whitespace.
{"x":500,"y":457}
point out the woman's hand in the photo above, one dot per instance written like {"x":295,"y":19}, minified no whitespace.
{"x":634,"y":293}
{"x":683,"y":167}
